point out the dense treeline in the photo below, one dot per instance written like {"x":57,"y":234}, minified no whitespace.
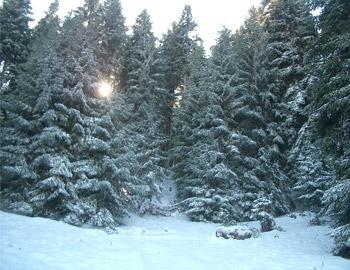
{"x":260,"y":127}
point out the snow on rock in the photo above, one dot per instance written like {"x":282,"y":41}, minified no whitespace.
{"x":267,"y":223}
{"x":162,"y":243}
{"x":235,"y":232}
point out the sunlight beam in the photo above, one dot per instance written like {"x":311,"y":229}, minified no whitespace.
{"x":104,"y":89}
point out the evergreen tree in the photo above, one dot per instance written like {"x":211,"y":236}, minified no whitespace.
{"x":14,"y":37}
{"x":219,"y":173}
{"x":310,"y":169}
{"x":204,"y":181}
{"x":139,"y":140}
{"x":184,"y":111}
{"x":331,"y":102}
{"x":36,"y":85}
{"x":261,"y":179}
{"x":288,"y":29}
{"x":176,"y":48}
{"x":101,"y":199}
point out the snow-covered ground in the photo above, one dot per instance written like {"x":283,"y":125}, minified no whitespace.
{"x":162,"y":243}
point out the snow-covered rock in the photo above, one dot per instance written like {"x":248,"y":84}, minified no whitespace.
{"x":238,"y":232}
{"x":267,"y":223}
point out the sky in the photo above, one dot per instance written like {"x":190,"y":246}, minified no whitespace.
{"x":210,"y":15}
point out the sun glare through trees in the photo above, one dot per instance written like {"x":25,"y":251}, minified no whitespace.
{"x":105,"y":89}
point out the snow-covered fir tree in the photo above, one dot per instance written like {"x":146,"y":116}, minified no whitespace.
{"x":203,"y":178}
{"x":310,"y":170}
{"x":14,"y":37}
{"x":262,"y":180}
{"x":36,"y":84}
{"x":331,"y":103}
{"x":138,"y":143}
{"x":220,"y":176}
{"x":176,"y":49}
{"x":101,"y":199}
{"x":288,"y":28}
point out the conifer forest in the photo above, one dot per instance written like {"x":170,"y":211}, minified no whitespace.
{"x":95,"y":117}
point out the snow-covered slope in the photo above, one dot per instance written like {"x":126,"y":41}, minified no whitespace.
{"x":162,"y":243}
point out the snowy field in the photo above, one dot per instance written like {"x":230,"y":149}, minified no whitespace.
{"x":162,"y":243}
